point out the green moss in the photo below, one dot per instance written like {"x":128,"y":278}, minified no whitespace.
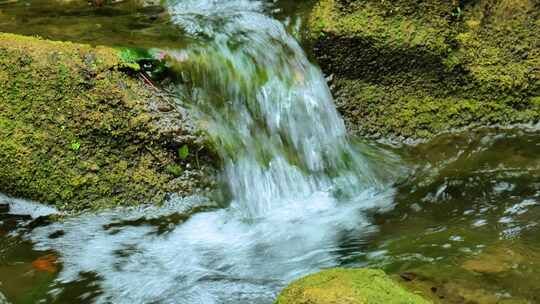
{"x":412,"y":69}
{"x":77,"y":132}
{"x":416,"y":112}
{"x":183,"y":152}
{"x":348,"y":286}
{"x":392,"y":25}
{"x":132,"y":56}
{"x":174,"y":170}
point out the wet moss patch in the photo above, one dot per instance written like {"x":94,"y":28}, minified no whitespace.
{"x":408,"y":69}
{"x":348,"y":286}
{"x":77,"y":132}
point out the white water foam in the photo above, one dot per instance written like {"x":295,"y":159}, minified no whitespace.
{"x":25,"y":207}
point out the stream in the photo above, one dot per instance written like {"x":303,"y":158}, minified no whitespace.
{"x":461,"y":210}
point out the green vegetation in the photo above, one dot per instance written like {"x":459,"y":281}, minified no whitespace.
{"x":183,"y":152}
{"x":410,"y":69}
{"x":348,"y":286}
{"x":78,"y":132}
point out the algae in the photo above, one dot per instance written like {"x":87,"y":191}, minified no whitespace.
{"x":408,"y":69}
{"x":348,"y":286}
{"x":79,"y":130}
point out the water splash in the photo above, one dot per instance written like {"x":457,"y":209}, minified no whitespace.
{"x":24,"y":207}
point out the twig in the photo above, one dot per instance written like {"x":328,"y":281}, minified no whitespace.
{"x":148,"y":81}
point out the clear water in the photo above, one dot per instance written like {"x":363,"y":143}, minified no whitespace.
{"x":303,"y":196}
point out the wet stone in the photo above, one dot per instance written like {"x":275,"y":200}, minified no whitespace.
{"x":495,"y":260}
{"x":164,"y":107}
{"x":39,"y":222}
{"x":4,"y":208}
{"x":57,"y":234}
{"x":408,"y":276}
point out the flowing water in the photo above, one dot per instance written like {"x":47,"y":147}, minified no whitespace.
{"x":296,"y":184}
{"x":301,"y":195}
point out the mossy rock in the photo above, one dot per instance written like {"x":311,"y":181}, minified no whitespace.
{"x":348,"y":286}
{"x":79,"y":129}
{"x":413,"y":69}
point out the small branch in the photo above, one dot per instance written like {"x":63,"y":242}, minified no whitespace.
{"x":148,"y":81}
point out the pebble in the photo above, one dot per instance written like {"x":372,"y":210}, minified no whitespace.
{"x":164,"y":107}
{"x":408,"y":276}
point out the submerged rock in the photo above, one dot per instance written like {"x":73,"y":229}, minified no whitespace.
{"x":80,"y":129}
{"x":348,"y":286}
{"x":505,"y":272}
{"x":495,"y":260}
{"x":412,"y":69}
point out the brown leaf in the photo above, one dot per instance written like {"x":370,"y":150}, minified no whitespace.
{"x":46,"y":263}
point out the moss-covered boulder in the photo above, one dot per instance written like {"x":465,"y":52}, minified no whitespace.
{"x":412,"y":69}
{"x":348,"y":286}
{"x":80,"y":128}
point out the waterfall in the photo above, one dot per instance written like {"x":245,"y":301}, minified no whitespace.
{"x":299,"y":188}
{"x":267,"y":108}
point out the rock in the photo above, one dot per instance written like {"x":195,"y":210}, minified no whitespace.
{"x":412,"y":69}
{"x":348,"y":286}
{"x":165,"y":107}
{"x":4,"y":208}
{"x":505,"y":272}
{"x":494,"y":261}
{"x":408,"y":276}
{"x":79,"y":130}
{"x":502,"y":258}
{"x":93,"y":168}
{"x":57,"y":234}
{"x":98,"y":3}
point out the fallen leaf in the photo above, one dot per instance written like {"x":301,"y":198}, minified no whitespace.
{"x":46,"y":263}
